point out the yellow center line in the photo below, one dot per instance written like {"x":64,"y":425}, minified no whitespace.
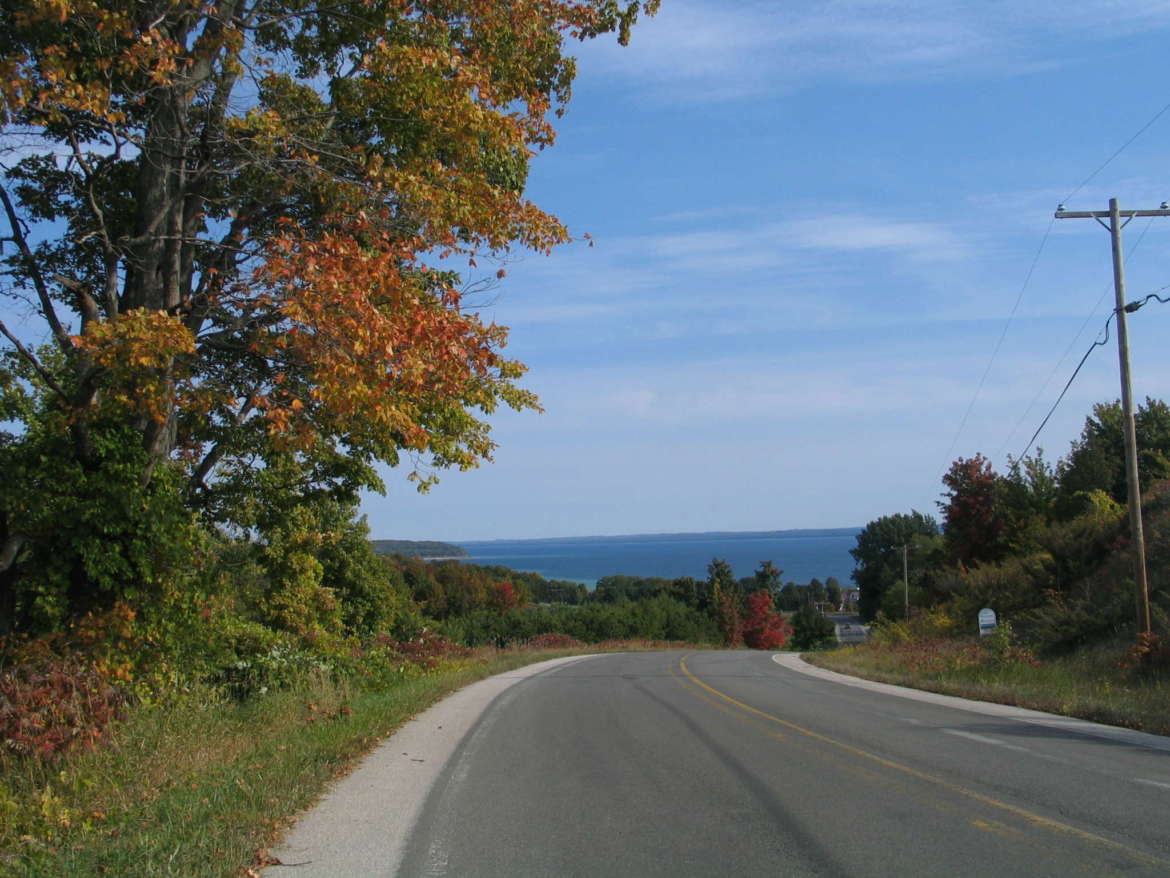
{"x":737,"y":715}
{"x":1038,"y":820}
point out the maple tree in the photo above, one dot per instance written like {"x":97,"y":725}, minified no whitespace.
{"x":240,"y":224}
{"x":763,"y":627}
{"x":973,"y":515}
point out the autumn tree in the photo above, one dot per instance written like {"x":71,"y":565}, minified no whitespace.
{"x":723,"y":601}
{"x":763,"y":627}
{"x":240,"y":225}
{"x":973,"y":516}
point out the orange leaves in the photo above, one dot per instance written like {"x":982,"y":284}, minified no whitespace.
{"x":384,"y":346}
{"x":84,"y":74}
{"x":264,"y":144}
{"x":145,"y":354}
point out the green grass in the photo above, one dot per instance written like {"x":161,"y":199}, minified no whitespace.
{"x":201,"y":787}
{"x":1095,"y":683}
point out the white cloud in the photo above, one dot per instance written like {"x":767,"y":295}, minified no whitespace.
{"x":705,"y":50}
{"x":738,"y":278}
{"x":855,"y":232}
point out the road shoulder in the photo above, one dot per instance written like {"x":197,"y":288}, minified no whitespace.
{"x":795,"y":662}
{"x":361,"y":825}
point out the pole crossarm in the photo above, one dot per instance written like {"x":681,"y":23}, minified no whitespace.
{"x":1104,"y":214}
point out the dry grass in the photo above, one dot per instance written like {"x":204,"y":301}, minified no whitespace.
{"x":203,"y":786}
{"x":1097,"y":683}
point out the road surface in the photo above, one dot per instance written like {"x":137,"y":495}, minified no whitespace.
{"x":850,"y":629}
{"x":730,"y":763}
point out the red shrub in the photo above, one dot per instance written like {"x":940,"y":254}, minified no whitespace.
{"x":763,"y":627}
{"x":428,"y":649}
{"x":59,"y":703}
{"x":553,"y":641}
{"x":503,"y":597}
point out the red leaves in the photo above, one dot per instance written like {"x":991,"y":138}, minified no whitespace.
{"x":553,"y":641}
{"x":503,"y":597}
{"x":763,"y":627}
{"x":386,"y":349}
{"x":426,"y":651}
{"x":972,"y":511}
{"x":48,"y":707}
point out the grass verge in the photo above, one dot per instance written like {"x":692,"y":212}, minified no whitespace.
{"x":201,"y":787}
{"x":1095,"y":683}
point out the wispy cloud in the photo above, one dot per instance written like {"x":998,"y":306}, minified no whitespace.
{"x":690,"y":281}
{"x":856,"y":233}
{"x":706,"y":50}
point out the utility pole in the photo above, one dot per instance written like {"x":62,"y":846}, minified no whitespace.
{"x":1133,"y":489}
{"x":905,"y":583}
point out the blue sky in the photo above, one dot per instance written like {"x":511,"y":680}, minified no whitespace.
{"x":812,"y":226}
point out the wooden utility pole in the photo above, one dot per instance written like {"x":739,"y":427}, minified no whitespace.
{"x":905,"y":583}
{"x":1133,"y":488}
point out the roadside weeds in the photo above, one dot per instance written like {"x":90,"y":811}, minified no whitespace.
{"x":204,"y":786}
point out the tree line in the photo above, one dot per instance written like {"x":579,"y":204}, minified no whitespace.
{"x":477,"y":605}
{"x":1045,"y":545}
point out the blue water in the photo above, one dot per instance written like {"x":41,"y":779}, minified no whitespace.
{"x":802,"y":555}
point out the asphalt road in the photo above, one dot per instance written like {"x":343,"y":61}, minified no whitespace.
{"x":849,"y":627}
{"x":727,"y":763}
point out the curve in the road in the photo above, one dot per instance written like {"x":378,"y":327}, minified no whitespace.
{"x":715,"y":763}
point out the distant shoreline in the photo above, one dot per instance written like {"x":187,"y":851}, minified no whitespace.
{"x":430,"y":550}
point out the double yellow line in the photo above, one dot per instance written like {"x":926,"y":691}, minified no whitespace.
{"x":1029,"y":816}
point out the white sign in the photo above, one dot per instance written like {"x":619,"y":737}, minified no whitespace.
{"x":986,"y":621}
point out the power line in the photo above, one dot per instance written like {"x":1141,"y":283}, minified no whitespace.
{"x":1027,"y":279}
{"x":1075,"y":339}
{"x":1097,"y":343}
{"x":1085,"y":182}
{"x":999,"y":343}
{"x":1130,"y":308}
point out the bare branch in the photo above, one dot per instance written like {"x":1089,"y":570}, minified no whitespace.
{"x":31,"y":359}
{"x":213,"y":457}
{"x":108,"y":250}
{"x":34,"y":271}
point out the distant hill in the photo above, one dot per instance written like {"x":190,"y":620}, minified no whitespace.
{"x":418,"y":548}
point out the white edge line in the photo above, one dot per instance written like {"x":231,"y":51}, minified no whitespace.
{"x":984,"y":739}
{"x":793,"y":661}
{"x":1152,"y":783}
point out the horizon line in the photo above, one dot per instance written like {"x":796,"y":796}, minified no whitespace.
{"x":700,"y":533}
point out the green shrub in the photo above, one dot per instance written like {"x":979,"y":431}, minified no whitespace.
{"x":811,"y":630}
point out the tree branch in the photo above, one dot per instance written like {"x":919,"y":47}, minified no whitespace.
{"x":109,"y":252}
{"x":213,"y":457}
{"x":13,"y":543}
{"x":86,"y":303}
{"x":34,"y":270}
{"x":32,"y":360}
